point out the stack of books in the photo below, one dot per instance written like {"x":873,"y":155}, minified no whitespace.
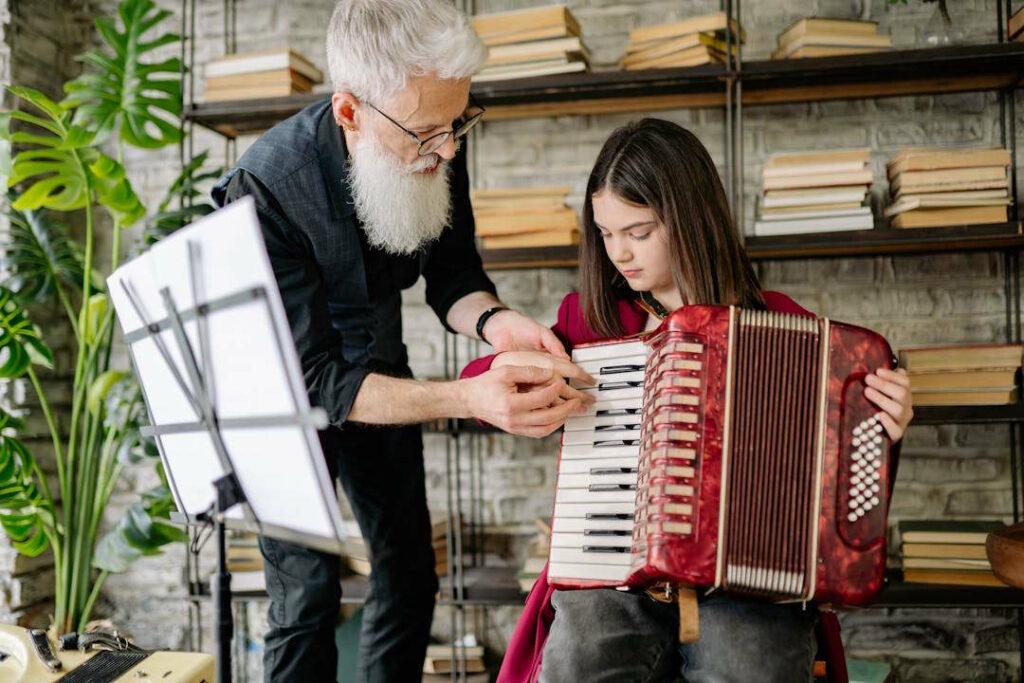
{"x":536,"y":556}
{"x":813,"y":37}
{"x":442,"y":659}
{"x":1015,"y":26}
{"x":439,"y":539}
{"x":509,"y":218}
{"x":935,"y":187}
{"x":946,"y":552}
{"x":691,"y":42}
{"x":815,"y":192}
{"x":981,"y":374}
{"x":539,"y":41}
{"x":245,"y":562}
{"x":264,"y":73}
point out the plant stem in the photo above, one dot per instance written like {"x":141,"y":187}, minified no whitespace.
{"x":84,"y":618}
{"x":54,"y":436}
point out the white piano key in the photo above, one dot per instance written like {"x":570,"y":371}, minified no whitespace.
{"x":580,"y":524}
{"x":588,"y":496}
{"x":613,"y":405}
{"x":607,"y":394}
{"x":582,"y":423}
{"x":583,"y":466}
{"x":611,"y":367}
{"x":613,"y":350}
{"x":576,"y":481}
{"x":587,"y":572}
{"x":581,"y":557}
{"x":581,"y":510}
{"x":577,"y":541}
{"x":576,"y":438}
{"x":583,"y":451}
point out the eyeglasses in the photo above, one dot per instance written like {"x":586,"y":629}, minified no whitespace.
{"x":460,"y":127}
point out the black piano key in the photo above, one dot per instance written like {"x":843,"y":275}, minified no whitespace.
{"x":612,"y":487}
{"x":609,"y":515}
{"x":612,"y":470}
{"x":617,"y":442}
{"x":606,"y":532}
{"x":619,"y":369}
{"x":618,"y":411}
{"x":613,"y":428}
{"x":606,"y":549}
{"x":608,"y":386}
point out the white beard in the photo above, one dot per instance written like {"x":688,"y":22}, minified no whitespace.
{"x":401,"y":209}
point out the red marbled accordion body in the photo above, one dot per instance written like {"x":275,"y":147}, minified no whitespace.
{"x":744,"y":482}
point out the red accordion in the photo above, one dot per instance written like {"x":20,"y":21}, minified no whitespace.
{"x":732,"y":449}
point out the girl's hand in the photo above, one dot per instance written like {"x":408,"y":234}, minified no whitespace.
{"x":890,"y":391}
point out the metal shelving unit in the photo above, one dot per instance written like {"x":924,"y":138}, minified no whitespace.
{"x":731,"y":87}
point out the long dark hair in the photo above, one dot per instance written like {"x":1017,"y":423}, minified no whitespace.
{"x":663,"y":166}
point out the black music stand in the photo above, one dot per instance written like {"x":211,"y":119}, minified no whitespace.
{"x":204,"y":414}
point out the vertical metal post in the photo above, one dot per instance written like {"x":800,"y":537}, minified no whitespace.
{"x":741,"y":211}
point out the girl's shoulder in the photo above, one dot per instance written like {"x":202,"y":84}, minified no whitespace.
{"x":572,"y":326}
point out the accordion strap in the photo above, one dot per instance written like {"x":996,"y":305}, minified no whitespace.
{"x":686,"y":598}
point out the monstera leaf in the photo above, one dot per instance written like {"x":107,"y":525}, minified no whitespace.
{"x":113,"y":190}
{"x":144,"y":530}
{"x":144,"y":95}
{"x":38,"y":257}
{"x":25,"y":515}
{"x":53,"y":168}
{"x":184,"y":192}
{"x":20,"y":343}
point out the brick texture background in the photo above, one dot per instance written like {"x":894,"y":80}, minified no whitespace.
{"x":946,"y":471}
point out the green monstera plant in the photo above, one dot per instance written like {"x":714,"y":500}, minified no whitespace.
{"x":125,"y":97}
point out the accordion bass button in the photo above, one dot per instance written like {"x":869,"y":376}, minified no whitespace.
{"x":852,"y":517}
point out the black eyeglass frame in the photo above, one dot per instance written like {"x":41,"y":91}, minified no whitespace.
{"x":439,"y":139}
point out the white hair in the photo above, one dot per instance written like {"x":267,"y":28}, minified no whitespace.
{"x":374,"y":46}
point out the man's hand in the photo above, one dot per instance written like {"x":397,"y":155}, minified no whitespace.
{"x":528,"y":401}
{"x":539,"y":359}
{"x":513,"y":331}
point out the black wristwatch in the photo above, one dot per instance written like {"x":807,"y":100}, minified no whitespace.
{"x":484,"y":317}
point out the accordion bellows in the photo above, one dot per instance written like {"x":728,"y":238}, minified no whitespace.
{"x":732,"y":449}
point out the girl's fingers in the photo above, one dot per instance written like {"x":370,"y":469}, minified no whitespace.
{"x":893,"y":390}
{"x":888,"y":405}
{"x":893,"y":429}
{"x":899,"y":376}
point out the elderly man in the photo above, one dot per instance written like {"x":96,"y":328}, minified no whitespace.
{"x":357,"y":197}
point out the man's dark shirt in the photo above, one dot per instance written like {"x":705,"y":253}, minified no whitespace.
{"x":335,"y":356}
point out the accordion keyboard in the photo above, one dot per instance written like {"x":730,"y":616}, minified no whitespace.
{"x":592,"y":532}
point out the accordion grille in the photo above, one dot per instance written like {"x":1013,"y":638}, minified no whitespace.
{"x":770,"y":494}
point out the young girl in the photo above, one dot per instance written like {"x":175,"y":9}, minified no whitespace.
{"x":657,"y":234}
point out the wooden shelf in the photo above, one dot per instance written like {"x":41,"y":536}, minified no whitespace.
{"x":881,"y":241}
{"x":530,"y":257}
{"x":938,"y":415}
{"x":881,"y":74}
{"x":896,"y":593}
{"x":885,"y":241}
